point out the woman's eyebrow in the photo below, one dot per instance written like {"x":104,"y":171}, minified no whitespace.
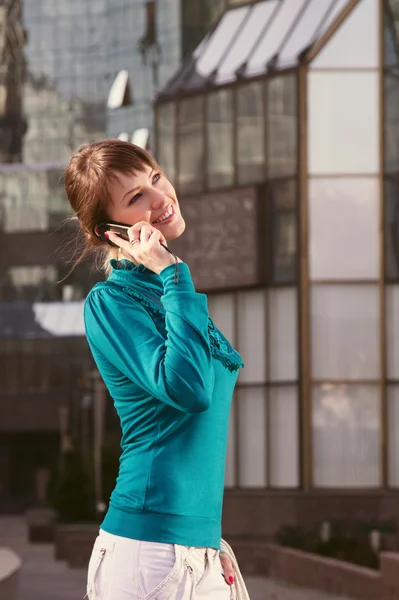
{"x":137,"y":186}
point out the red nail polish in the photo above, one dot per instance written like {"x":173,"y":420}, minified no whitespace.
{"x":231,"y":579}
{"x":106,"y":234}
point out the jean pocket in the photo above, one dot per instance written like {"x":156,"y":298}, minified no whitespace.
{"x":99,"y":569}
{"x":160,"y":568}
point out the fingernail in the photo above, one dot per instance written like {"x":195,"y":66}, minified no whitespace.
{"x":231,"y":579}
{"x":106,"y":234}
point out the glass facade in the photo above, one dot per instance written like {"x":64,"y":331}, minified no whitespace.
{"x":292,"y":108}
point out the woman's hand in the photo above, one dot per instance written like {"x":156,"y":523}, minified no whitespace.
{"x":228,"y":569}
{"x":144,"y":246}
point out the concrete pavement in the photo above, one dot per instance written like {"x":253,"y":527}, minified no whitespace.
{"x":43,"y":578}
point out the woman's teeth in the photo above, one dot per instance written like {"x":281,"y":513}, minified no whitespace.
{"x":168,"y":213}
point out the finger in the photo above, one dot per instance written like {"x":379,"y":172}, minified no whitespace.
{"x":228,"y":569}
{"x":145,"y":233}
{"x":120,"y":242}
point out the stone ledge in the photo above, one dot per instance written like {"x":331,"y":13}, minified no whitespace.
{"x":10,"y":566}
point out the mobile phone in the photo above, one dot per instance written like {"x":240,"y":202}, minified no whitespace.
{"x":100,"y":229}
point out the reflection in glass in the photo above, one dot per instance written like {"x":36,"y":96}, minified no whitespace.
{"x":282,"y":205}
{"x":282,"y":126}
{"x":348,"y":141}
{"x":392,"y":330}
{"x":341,"y":52}
{"x":391,"y":122}
{"x":344,"y":242}
{"x":250,"y":133}
{"x":391,"y":233}
{"x":252,"y":436}
{"x":47,"y":205}
{"x":346,"y":436}
{"x":345,"y":331}
{"x":191,"y":145}
{"x":220,"y":139}
{"x":283,"y":333}
{"x":166,"y":142}
{"x":30,"y":284}
{"x":284,"y":436}
{"x":251,"y":308}
{"x":391,"y":47}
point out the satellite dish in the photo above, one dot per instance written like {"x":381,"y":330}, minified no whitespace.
{"x":119,"y":94}
{"x":140,"y":137}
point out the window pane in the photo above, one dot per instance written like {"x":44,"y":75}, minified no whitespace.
{"x":284,"y":436}
{"x":282,"y":126}
{"x":251,"y":133}
{"x":252,"y":336}
{"x":283,"y":341}
{"x":220,"y":139}
{"x":230,"y":473}
{"x":252,"y":441}
{"x":391,"y":233}
{"x":346,"y":436}
{"x":274,"y":35}
{"x":392,"y":331}
{"x":221,"y":310}
{"x":341,"y":51}
{"x":345,"y":332}
{"x":307,"y":25}
{"x":165,"y":143}
{"x":282,"y":201}
{"x":344,"y":241}
{"x":391,"y":123}
{"x":333,"y":14}
{"x":348,"y":140}
{"x":225,"y":32}
{"x":191,"y":145}
{"x":393,"y":435}
{"x":245,"y":40}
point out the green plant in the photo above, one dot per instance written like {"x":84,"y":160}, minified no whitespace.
{"x":72,"y":494}
{"x":347,"y":543}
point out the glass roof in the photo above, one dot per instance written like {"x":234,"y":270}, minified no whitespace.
{"x":248,"y":40}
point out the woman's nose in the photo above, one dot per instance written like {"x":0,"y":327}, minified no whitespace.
{"x":157,"y":199}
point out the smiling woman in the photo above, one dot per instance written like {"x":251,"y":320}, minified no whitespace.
{"x":171,"y":375}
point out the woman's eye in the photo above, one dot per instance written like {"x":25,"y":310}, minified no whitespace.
{"x":156,"y":177}
{"x":136,"y":197}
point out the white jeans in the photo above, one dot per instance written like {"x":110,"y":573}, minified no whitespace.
{"x":125,"y":569}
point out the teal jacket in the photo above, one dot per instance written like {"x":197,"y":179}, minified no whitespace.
{"x":171,"y":375}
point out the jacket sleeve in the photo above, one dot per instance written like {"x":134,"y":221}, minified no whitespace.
{"x":177,"y":370}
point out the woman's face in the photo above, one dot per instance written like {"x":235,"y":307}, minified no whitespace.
{"x":146,"y":196}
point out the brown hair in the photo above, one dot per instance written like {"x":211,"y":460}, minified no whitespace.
{"x":87,"y":177}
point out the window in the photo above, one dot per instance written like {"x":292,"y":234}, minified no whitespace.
{"x":166,"y":146}
{"x":191,"y":145}
{"x":282,"y":207}
{"x":220,"y":139}
{"x":282,"y":126}
{"x":250,"y":133}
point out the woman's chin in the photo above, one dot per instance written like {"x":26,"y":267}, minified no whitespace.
{"x":174,"y":230}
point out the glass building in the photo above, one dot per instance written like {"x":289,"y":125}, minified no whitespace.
{"x":280,"y":132}
{"x":60,"y":60}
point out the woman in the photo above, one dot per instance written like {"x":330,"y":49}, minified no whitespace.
{"x":171,"y":375}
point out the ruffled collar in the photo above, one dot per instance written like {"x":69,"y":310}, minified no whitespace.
{"x":146,"y":286}
{"x":125,"y":273}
